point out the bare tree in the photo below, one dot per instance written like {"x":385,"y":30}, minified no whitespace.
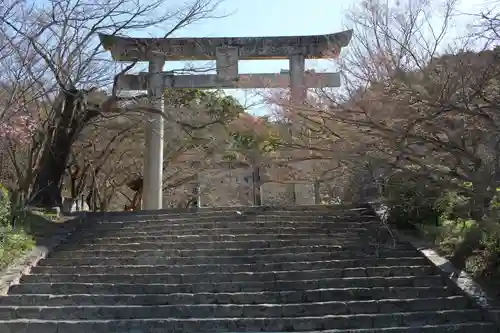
{"x":415,"y":102}
{"x":59,"y":55}
{"x":487,"y":26}
{"x":108,"y":155}
{"x":411,"y":98}
{"x":432,"y":106}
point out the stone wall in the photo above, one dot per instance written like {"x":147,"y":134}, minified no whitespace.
{"x":276,"y":194}
{"x":226,"y":188}
{"x":234,"y":187}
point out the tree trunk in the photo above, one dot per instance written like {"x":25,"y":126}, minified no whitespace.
{"x":70,"y":117}
{"x":89,"y":199}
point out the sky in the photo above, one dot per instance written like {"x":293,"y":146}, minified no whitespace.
{"x":270,"y":18}
{"x":279,"y":18}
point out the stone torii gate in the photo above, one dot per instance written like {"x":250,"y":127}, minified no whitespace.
{"x":227,"y":52}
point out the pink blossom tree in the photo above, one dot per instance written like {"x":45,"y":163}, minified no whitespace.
{"x":19,"y":128}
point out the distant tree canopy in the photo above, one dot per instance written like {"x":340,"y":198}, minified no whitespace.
{"x":110,"y":151}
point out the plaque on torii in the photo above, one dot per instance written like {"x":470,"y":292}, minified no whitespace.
{"x":226,"y":52}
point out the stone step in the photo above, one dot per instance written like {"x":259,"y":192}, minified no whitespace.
{"x":236,"y":209}
{"x":165,"y":231}
{"x":240,"y":219}
{"x":266,"y":323}
{"x":235,"y":213}
{"x":227,"y":259}
{"x":42,"y":268}
{"x":276,"y":310}
{"x":233,"y":263}
{"x":290,"y":250}
{"x":305,"y":216}
{"x":303,"y":270}
{"x":232,"y":225}
{"x":253,"y":286}
{"x":207,"y":238}
{"x":253,"y":244}
{"x":452,"y":328}
{"x":218,"y":277}
{"x":306,"y":296}
{"x":265,"y":208}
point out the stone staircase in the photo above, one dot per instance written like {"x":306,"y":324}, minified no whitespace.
{"x":295,"y":270}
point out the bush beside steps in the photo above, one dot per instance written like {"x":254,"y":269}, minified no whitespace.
{"x":443,"y":216}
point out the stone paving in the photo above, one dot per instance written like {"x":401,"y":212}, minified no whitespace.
{"x":309,"y":270}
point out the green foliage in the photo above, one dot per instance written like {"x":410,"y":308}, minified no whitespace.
{"x":13,"y":241}
{"x":273,"y":143}
{"x":495,"y":202}
{"x":412,"y":202}
{"x":230,"y":157}
{"x":451,"y":233}
{"x":246,"y":141}
{"x":5,"y":212}
{"x":419,"y":202}
{"x":256,"y":143}
{"x":453,"y":205}
{"x":215,"y":103}
{"x":486,"y":264}
{"x":443,"y":216}
{"x":13,"y":244}
{"x":263,"y":139}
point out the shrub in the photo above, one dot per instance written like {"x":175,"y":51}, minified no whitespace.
{"x":412,"y":202}
{"x":13,"y":242}
{"x":443,"y":215}
{"x":5,"y":211}
{"x":453,"y":206}
{"x":452,"y":234}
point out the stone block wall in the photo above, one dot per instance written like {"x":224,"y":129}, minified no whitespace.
{"x":304,"y":194}
{"x":226,"y":188}
{"x":275,"y":194}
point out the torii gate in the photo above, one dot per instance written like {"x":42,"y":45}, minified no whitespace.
{"x":227,"y":52}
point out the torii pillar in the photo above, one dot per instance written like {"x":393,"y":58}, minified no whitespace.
{"x":154,"y":130}
{"x":227,"y":52}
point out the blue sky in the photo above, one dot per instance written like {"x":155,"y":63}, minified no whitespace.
{"x":279,"y":18}
{"x":270,"y":18}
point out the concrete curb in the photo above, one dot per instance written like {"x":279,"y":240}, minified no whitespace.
{"x":13,"y":273}
{"x":461,"y":279}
